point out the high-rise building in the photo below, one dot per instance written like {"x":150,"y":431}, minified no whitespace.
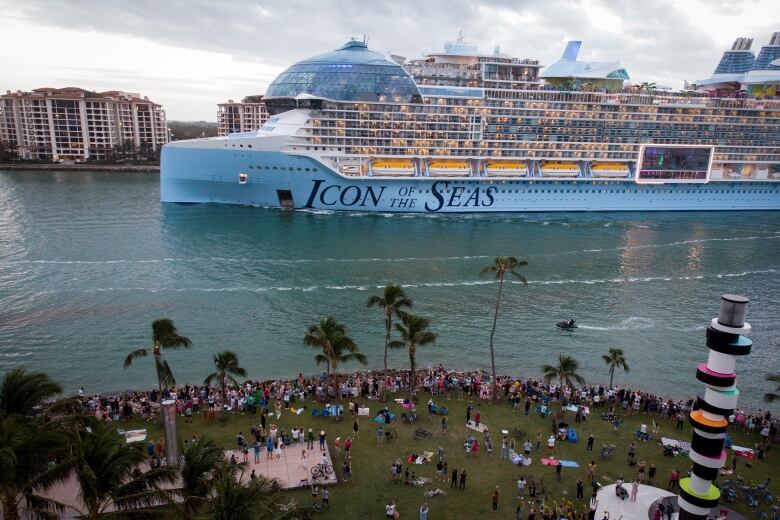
{"x":73,"y":124}
{"x":247,"y":116}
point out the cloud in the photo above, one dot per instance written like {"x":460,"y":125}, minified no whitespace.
{"x":664,"y":41}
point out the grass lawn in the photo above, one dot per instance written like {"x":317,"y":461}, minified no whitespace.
{"x":366,"y":495}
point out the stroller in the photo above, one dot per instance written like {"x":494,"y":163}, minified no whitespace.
{"x":621,"y":492}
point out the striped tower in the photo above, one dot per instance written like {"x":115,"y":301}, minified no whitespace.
{"x":709,"y":418}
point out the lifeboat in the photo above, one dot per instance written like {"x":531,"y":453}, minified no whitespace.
{"x":609,"y":169}
{"x":394,"y":168}
{"x":506,"y":169}
{"x":449,"y":169}
{"x":351,"y":169}
{"x":559,"y":169}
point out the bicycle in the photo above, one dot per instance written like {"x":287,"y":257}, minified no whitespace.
{"x":321,"y":470}
{"x":421,"y":434}
{"x":421,"y":481}
{"x":433,"y":492}
{"x":289,"y":506}
{"x":390,"y":435}
{"x":606,"y":451}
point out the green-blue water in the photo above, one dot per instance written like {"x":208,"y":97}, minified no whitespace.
{"x":88,"y":260}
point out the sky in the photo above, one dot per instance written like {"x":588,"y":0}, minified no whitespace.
{"x":190,"y":55}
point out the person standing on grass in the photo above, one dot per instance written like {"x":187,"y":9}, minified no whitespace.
{"x":347,"y":447}
{"x":390,"y":510}
{"x":380,"y":436}
{"x":337,"y":447}
{"x":580,"y":489}
{"x":631,"y":453}
{"x":468,"y":414}
{"x":444,"y":425}
{"x":315,"y":491}
{"x":551,"y":444}
{"x":494,"y":500}
{"x":503,"y":448}
{"x":589,"y":447}
{"x":454,"y":479}
{"x":462,"y":479}
{"x":558,"y":468}
{"x":538,"y":442}
{"x":269,"y":446}
{"x":527,"y":448}
{"x":651,"y":474}
{"x":325,"y":497}
{"x":673,"y":478}
{"x":477,"y":418}
{"x":521,"y":487}
{"x":591,"y":471}
{"x":356,"y":429}
{"x":310,"y":439}
{"x":256,"y":448}
{"x":424,"y":512}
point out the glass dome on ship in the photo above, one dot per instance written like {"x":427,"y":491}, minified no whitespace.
{"x":350,"y":73}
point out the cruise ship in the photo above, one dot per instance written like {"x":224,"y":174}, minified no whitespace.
{"x":461,"y":131}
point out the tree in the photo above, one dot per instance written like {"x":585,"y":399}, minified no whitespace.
{"x":164,"y":337}
{"x":414,"y":333}
{"x":392,"y":300}
{"x":234,"y":499}
{"x":615,"y":360}
{"x":201,"y":459}
{"x":105,"y":470}
{"x":336,"y":347}
{"x":565,"y":371}
{"x":7,"y":152}
{"x":771,"y":397}
{"x":501,"y":266}
{"x":226,"y":365}
{"x":32,"y":453}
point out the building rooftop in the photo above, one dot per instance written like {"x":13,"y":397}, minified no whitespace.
{"x":569,"y":67}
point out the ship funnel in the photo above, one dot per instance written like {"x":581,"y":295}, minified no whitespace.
{"x":775,"y":39}
{"x":572,"y":50}
{"x":742,"y":44}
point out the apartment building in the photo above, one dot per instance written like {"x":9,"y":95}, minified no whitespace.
{"x":247,"y":116}
{"x":73,"y":124}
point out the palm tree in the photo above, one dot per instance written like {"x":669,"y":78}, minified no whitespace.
{"x":501,"y":266}
{"x":393,"y":299}
{"x":771,"y":397}
{"x":21,"y":392}
{"x":226,"y":364}
{"x":336,"y":347}
{"x":32,"y":453}
{"x":565,"y":371}
{"x":105,"y":472}
{"x":164,"y":337}
{"x":414,"y":333}
{"x":615,"y":360}
{"x":237,"y":500}
{"x":201,"y":459}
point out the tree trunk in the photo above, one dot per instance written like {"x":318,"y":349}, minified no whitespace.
{"x":10,"y":508}
{"x":611,"y":375}
{"x":157,"y":356}
{"x":388,"y":320}
{"x":494,"y":391}
{"x":413,"y":371}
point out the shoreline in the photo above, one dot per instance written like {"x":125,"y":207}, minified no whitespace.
{"x":425,"y":373}
{"x":48,"y":167}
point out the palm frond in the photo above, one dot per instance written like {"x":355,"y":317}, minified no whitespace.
{"x":132,"y":356}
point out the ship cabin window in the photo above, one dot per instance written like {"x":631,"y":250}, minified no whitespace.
{"x":275,"y":168}
{"x":306,"y":169}
{"x":249,"y":146}
{"x":243,"y":178}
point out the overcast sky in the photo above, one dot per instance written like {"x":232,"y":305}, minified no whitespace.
{"x":190,"y":55}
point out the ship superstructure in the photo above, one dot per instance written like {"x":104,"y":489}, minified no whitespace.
{"x":463,"y":131}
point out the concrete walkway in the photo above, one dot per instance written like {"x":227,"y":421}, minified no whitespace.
{"x":625,"y":509}
{"x":290,"y":470}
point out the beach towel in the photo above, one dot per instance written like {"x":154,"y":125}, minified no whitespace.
{"x":517,"y":459}
{"x":739,"y":451}
{"x":135,"y":436}
{"x":550,"y":462}
{"x":572,"y":436}
{"x":400,"y":401}
{"x":336,"y":409}
{"x":407,"y":406}
{"x":574,"y":407}
{"x":381,"y":418}
{"x":364,"y":412}
{"x":564,"y":463}
{"x":482,"y":426}
{"x":683,"y":446}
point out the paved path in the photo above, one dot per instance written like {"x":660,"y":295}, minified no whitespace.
{"x":290,"y":469}
{"x":626,"y":509}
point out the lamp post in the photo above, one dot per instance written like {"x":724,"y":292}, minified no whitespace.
{"x":710,"y":417}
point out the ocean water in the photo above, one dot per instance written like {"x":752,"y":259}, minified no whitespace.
{"x":89,"y":260}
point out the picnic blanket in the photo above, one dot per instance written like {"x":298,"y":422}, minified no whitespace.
{"x":574,"y":408}
{"x":572,"y":436}
{"x":424,"y":458}
{"x":296,"y":411}
{"x":400,"y":401}
{"x":335,"y":409}
{"x":381,"y":418}
{"x":564,"y":463}
{"x":739,"y":451}
{"x":133,"y":435}
{"x":683,"y":446}
{"x":407,"y":406}
{"x":364,"y":412}
{"x":517,"y":459}
{"x":481,"y":428}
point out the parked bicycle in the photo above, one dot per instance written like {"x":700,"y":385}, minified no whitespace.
{"x":421,"y":434}
{"x":606,"y":451}
{"x":421,"y":481}
{"x":434,"y":492}
{"x":390,"y":435}
{"x":321,"y":470}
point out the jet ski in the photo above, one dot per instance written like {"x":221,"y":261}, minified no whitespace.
{"x":566,"y":324}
